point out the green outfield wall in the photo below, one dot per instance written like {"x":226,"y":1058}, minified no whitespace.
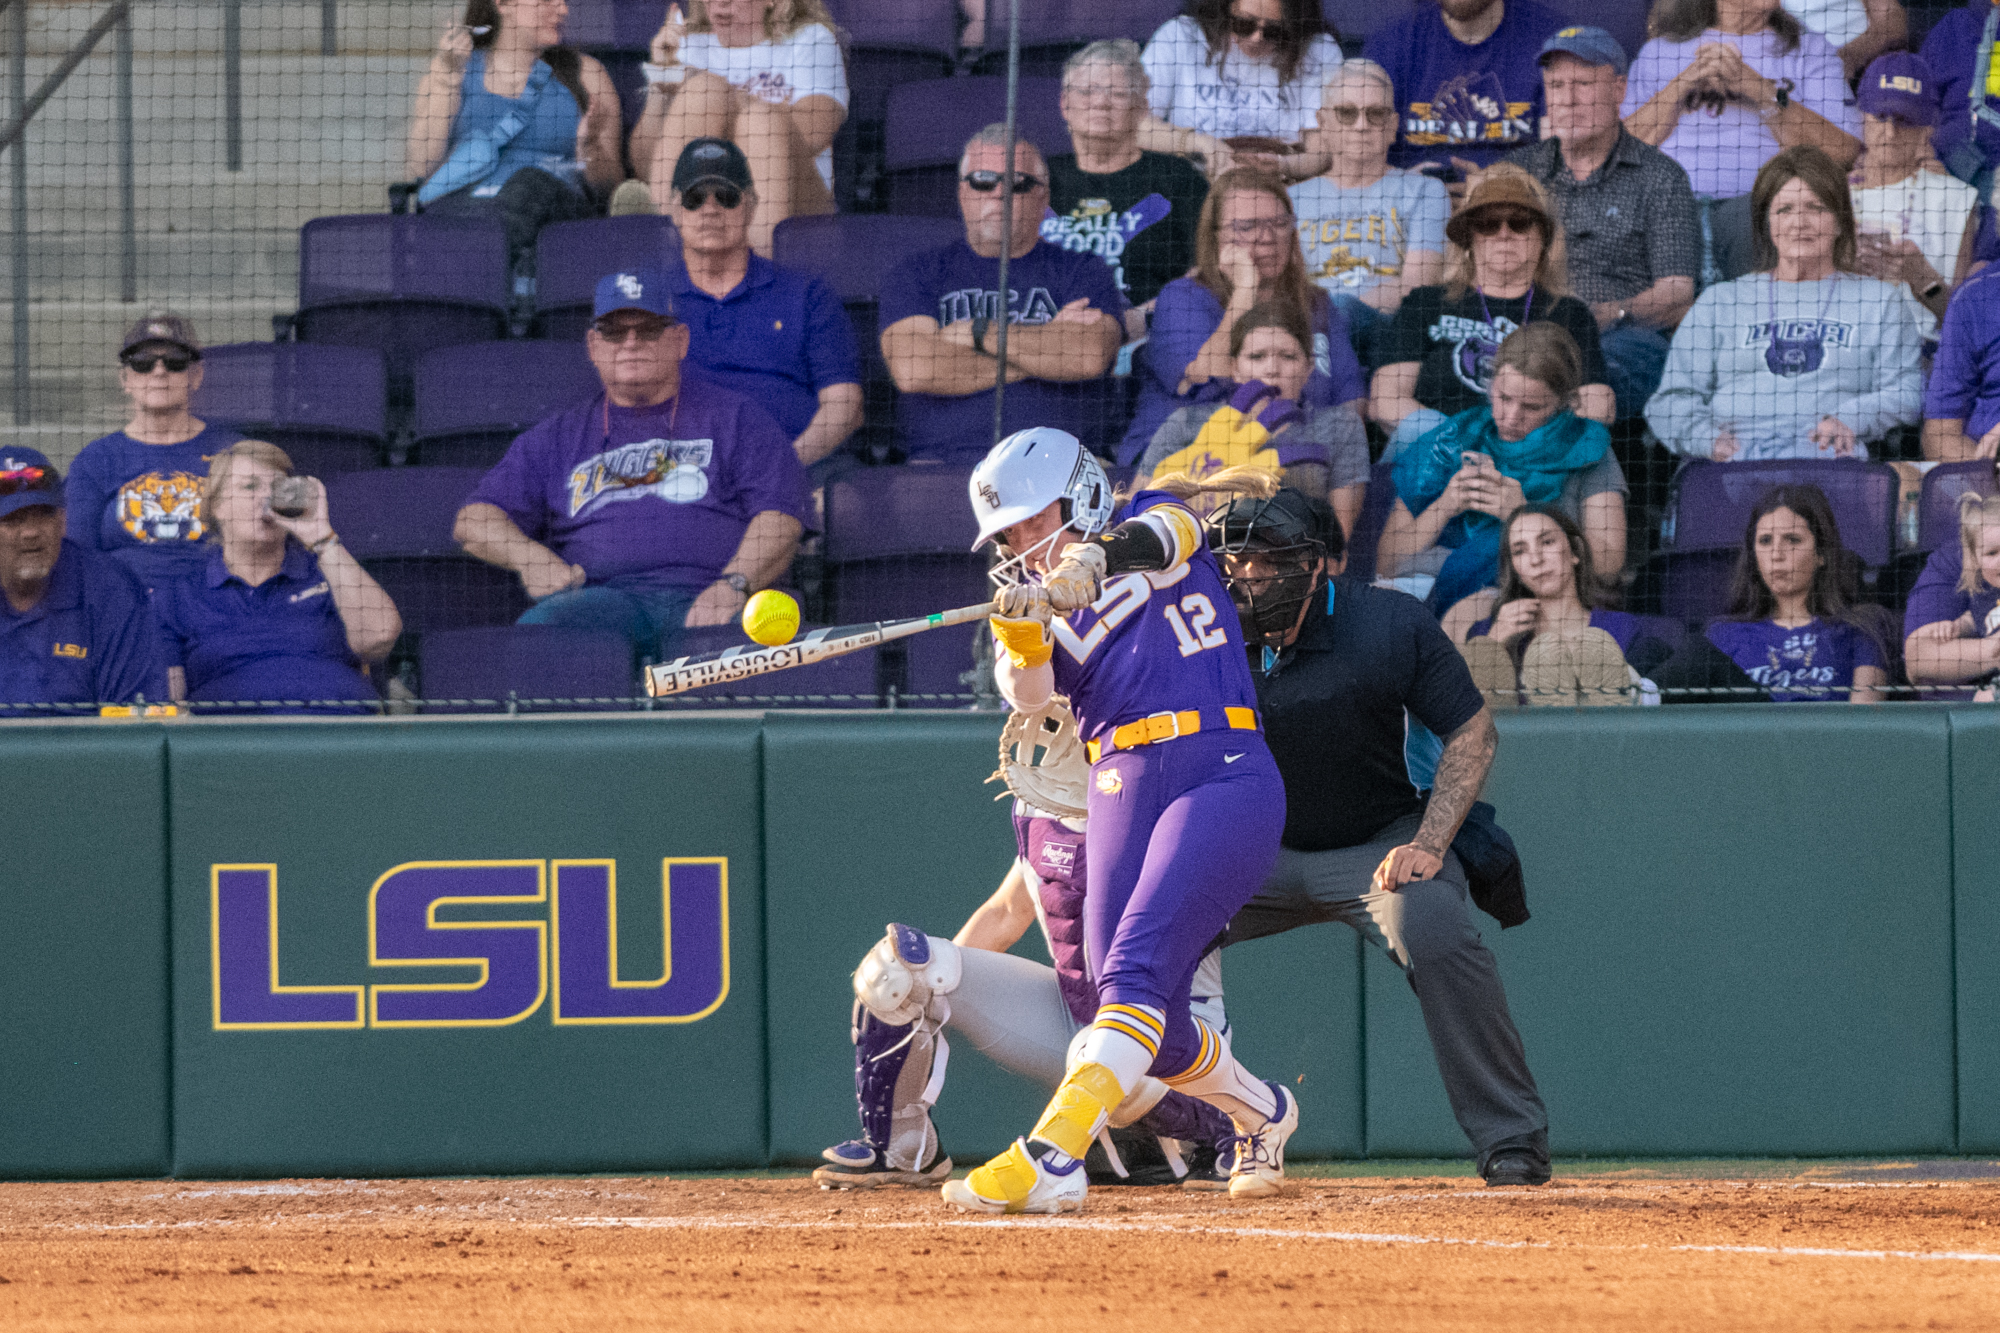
{"x":552,"y":944}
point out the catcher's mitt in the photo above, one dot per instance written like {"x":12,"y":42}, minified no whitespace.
{"x":1059,"y":781}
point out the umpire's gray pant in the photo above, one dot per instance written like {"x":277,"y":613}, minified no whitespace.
{"x":1426,"y":928}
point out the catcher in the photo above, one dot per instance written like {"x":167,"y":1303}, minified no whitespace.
{"x":912,"y":987}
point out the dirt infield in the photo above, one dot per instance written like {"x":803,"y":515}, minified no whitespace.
{"x":1877,"y":1246}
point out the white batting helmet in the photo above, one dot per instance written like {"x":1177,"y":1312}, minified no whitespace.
{"x":1031,"y":470}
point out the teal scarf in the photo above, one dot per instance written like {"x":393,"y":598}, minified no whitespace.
{"x":1565,"y":443}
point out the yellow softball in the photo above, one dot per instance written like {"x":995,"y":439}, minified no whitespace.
{"x":771,"y":617}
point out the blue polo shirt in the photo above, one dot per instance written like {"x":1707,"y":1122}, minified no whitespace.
{"x":92,"y":639}
{"x":282,"y":640}
{"x":778,"y":338}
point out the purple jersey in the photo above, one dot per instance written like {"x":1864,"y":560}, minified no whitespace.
{"x":1814,"y":661}
{"x":1054,"y":851}
{"x":1153,"y":643}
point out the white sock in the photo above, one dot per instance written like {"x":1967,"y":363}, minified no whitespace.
{"x":1125,"y":1039}
{"x":1219,"y":1080}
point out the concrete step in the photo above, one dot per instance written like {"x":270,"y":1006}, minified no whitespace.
{"x":172,"y":266}
{"x":270,"y":27}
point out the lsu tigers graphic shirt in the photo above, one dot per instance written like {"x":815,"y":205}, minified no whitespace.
{"x":141,"y":503}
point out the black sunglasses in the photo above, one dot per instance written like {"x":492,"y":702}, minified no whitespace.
{"x":1273,"y":29}
{"x":23,"y":479}
{"x":986,"y":182}
{"x":695,"y":196}
{"x":143,"y":365}
{"x":646,"y":331}
{"x":1518,"y":223}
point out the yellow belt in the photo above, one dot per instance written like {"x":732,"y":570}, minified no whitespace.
{"x":1165,"y":727}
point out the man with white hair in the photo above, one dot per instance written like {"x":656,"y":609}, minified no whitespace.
{"x":1371,"y":233}
{"x":1135,"y":210}
{"x":939,"y":309}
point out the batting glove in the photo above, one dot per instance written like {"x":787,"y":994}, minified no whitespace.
{"x":1027,"y":642}
{"x":1077,"y":578}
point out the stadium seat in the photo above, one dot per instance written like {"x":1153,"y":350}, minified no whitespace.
{"x":1051,"y":30}
{"x":927,"y":126}
{"x":1367,"y":534}
{"x":570,"y":257}
{"x":850,"y":252}
{"x":617,"y":33}
{"x":1623,"y":19}
{"x":934,"y":663}
{"x":1694,"y":585}
{"x":402,"y":286}
{"x":325,"y":406}
{"x":397,"y":522}
{"x":889,"y":43}
{"x":898,"y":543}
{"x":1712,"y":502}
{"x":472,"y":401}
{"x":588,"y":670}
{"x":1937,"y":506}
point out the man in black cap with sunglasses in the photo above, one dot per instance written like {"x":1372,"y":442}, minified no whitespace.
{"x":75,"y":627}
{"x":941,"y":312}
{"x":779,"y":337}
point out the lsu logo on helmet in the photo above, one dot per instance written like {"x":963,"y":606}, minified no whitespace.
{"x":162,"y":507}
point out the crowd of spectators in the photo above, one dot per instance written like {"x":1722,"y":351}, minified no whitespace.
{"x":1492,"y":256}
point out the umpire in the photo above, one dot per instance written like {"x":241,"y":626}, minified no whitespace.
{"x":1338,"y":664}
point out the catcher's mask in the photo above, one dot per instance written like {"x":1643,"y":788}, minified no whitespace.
{"x":1272,"y":554}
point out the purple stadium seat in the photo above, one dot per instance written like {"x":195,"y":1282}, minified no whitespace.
{"x":472,"y":401}
{"x":397,"y":523}
{"x":1694,"y":585}
{"x":325,"y":406}
{"x":1367,"y":534}
{"x":570,"y":257}
{"x":1052,"y":29}
{"x":936,"y":660}
{"x":928,"y":124}
{"x":1623,"y":19}
{"x":579,"y":670}
{"x":1713,"y":501}
{"x":929,"y":27}
{"x":613,"y":25}
{"x":897,"y":543}
{"x":402,"y":285}
{"x":852,"y":251}
{"x":1937,"y":509}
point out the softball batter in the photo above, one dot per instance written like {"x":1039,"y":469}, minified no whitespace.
{"x":1126,"y":614}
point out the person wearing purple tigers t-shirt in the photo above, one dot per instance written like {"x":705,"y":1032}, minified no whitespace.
{"x":1789,"y":626}
{"x":661,"y":504}
{"x":135,"y":494}
{"x":1065,"y":319}
{"x":1468,"y":79}
{"x":1121,"y":609}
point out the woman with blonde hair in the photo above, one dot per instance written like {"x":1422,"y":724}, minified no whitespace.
{"x":282,"y":618}
{"x":769,"y":76}
{"x":1509,"y":268}
{"x":1246,"y":254}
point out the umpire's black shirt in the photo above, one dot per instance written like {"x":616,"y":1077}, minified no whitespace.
{"x":1333,"y":710}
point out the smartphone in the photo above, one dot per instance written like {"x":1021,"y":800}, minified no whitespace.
{"x":1442,"y":171}
{"x":1473,"y":459}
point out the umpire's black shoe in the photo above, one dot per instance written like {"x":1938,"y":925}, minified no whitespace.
{"x":1516,"y":1169}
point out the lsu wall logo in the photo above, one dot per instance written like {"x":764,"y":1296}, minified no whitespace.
{"x":162,"y":507}
{"x":561,"y":938}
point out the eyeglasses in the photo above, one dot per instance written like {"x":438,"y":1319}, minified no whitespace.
{"x":1246,"y":28}
{"x":1379,"y":117}
{"x":986,"y":182}
{"x":1518,"y":223}
{"x":1246,"y":229}
{"x":143,"y":365}
{"x":695,"y":196}
{"x":645,"y":331}
{"x":23,"y":479}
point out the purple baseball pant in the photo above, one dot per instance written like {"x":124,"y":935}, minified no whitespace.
{"x":1180,"y":839}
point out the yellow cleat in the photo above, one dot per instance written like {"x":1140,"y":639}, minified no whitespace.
{"x":1014,"y":1182}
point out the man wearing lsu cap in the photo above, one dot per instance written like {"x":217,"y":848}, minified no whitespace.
{"x":778,"y":336}
{"x":1916,"y":225}
{"x":75,"y":627}
{"x":661,"y":503}
{"x":1627,"y":211}
{"x":136,"y":493}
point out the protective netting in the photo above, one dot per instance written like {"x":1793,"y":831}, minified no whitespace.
{"x":1653,"y":356}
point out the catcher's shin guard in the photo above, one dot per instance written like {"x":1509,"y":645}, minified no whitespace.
{"x":898,"y":1072}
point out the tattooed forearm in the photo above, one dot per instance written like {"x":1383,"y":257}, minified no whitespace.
{"x":1461,"y":771}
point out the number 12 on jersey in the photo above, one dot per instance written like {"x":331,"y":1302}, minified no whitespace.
{"x":1198,"y":630}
